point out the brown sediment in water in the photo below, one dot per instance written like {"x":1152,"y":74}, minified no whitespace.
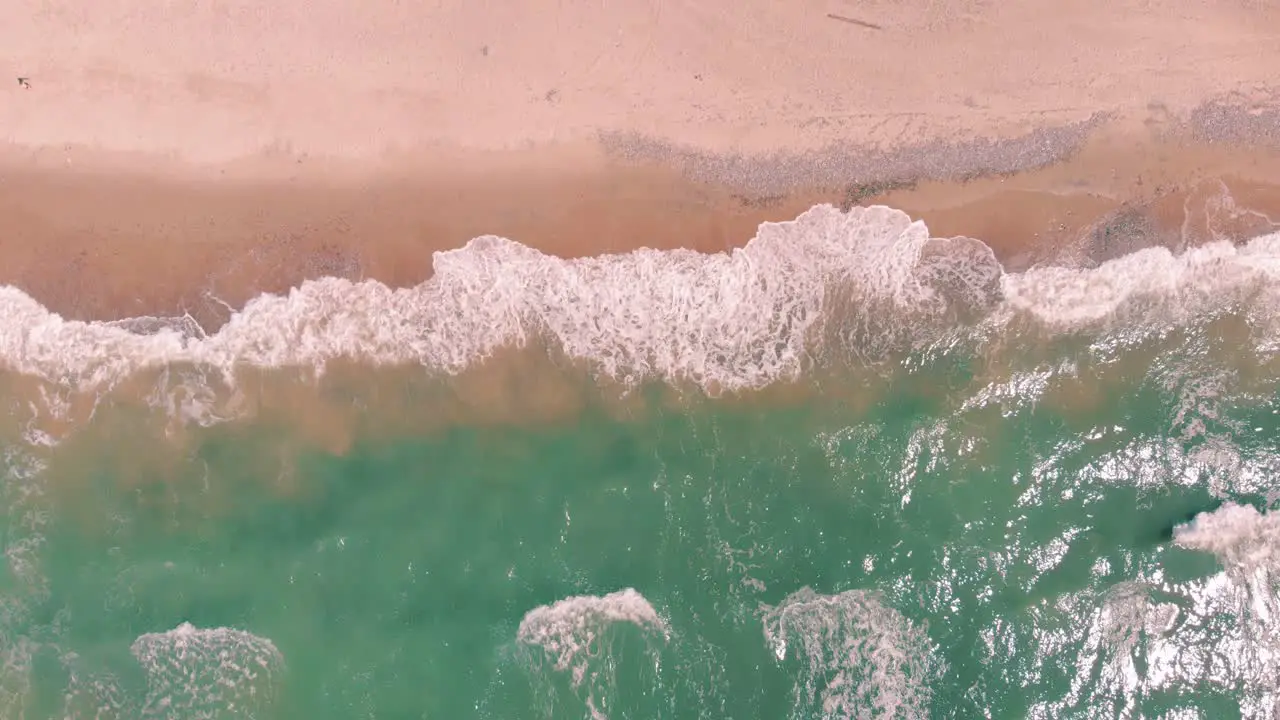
{"x":102,"y":242}
{"x":109,"y":237}
{"x":275,"y":417}
{"x":138,"y":432}
{"x":1052,"y":132}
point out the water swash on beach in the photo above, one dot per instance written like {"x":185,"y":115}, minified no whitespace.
{"x":848,"y":471}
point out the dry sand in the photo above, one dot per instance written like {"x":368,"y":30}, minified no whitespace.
{"x":171,"y":157}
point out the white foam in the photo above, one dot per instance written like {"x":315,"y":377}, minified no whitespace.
{"x":1151,"y":288}
{"x":858,"y":657}
{"x":575,"y":634}
{"x":827,"y":286}
{"x":1245,"y":539}
{"x":207,"y":673}
{"x":1232,"y":637}
{"x":739,"y":319}
{"x":17,"y":652}
{"x":93,"y":696}
{"x":1248,"y":544}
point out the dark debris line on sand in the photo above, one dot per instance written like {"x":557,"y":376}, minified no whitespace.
{"x":842,"y":166}
{"x":851,"y":21}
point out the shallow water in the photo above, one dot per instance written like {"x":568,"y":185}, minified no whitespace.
{"x":850,"y":472}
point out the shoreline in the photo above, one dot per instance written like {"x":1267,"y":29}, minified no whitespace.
{"x":107,"y":237}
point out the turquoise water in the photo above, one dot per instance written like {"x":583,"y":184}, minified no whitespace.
{"x":1003,"y":526}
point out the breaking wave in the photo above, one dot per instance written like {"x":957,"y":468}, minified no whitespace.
{"x":207,"y":673}
{"x":577,"y":637}
{"x":1235,"y":615}
{"x":829,"y":286}
{"x":858,"y":658}
{"x":1185,"y":641}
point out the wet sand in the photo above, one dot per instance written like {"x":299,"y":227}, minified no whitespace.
{"x":130,"y":188}
{"x":182,"y":160}
{"x":97,"y":241}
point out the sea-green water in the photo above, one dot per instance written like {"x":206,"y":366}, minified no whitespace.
{"x":1004,"y":527}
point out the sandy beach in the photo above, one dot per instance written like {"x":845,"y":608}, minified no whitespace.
{"x":163,"y":160}
{"x":679,"y":359}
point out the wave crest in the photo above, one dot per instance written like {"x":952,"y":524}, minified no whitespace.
{"x":829,"y":286}
{"x":733,"y":320}
{"x":194,"y":672}
{"x":858,"y":657}
{"x":577,"y":636}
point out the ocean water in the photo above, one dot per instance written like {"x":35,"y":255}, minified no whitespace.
{"x":849,"y":471}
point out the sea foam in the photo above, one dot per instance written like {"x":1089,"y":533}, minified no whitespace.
{"x":1231,"y":637}
{"x":740,"y":319}
{"x":198,"y":673}
{"x":852,"y":285}
{"x":1248,"y":544}
{"x":577,"y":634}
{"x":858,"y":658}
